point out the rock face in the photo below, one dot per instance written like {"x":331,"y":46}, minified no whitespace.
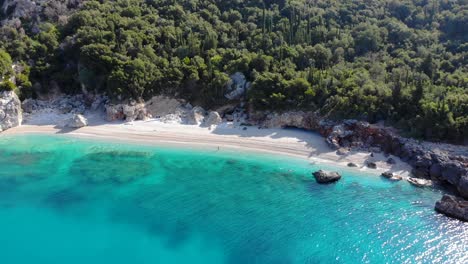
{"x":453,"y":207}
{"x":10,"y":110}
{"x":371,"y":165}
{"x":237,"y":86}
{"x":77,"y":121}
{"x":213,"y":119}
{"x":196,"y":116}
{"x":322,"y":176}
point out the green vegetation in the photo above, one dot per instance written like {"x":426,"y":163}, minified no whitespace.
{"x":400,"y":61}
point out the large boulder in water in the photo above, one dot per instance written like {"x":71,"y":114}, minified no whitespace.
{"x":10,"y":110}
{"x":453,"y":206}
{"x":322,"y":176}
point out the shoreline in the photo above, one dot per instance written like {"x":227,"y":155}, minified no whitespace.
{"x":295,"y":143}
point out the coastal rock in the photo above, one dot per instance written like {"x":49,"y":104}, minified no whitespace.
{"x":371,"y":165}
{"x":322,"y":176}
{"x":77,"y":121}
{"x":338,"y":133}
{"x":288,"y":119}
{"x":352,"y":164}
{"x":161,"y":106}
{"x":213,"y":119}
{"x":128,"y":112}
{"x":114,"y":112}
{"x":391,"y":176}
{"x":453,"y":206}
{"x":196,"y":116}
{"x":438,"y":161}
{"x":10,"y":110}
{"x":420,"y":182}
{"x":342,"y":151}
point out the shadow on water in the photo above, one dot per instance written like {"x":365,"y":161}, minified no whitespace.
{"x":64,"y":199}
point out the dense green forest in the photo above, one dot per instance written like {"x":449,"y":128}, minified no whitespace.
{"x":401,"y":61}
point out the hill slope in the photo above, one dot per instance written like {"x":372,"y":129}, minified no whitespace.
{"x":400,"y":61}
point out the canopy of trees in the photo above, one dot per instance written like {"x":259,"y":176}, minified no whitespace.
{"x":400,"y":61}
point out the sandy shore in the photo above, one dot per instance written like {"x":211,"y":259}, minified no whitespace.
{"x":292,"y":142}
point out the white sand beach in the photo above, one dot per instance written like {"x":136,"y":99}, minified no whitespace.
{"x":292,"y":142}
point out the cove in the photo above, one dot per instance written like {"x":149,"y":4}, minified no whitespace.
{"x":69,"y":200}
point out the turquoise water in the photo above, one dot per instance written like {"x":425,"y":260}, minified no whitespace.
{"x":66,"y":200}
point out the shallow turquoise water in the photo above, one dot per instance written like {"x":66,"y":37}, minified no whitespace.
{"x":65,"y":200}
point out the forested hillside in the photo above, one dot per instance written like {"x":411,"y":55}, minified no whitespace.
{"x":401,"y":61}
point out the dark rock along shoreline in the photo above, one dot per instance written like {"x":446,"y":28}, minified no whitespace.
{"x":444,"y":167}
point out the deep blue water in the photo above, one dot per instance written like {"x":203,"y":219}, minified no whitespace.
{"x":66,"y":200}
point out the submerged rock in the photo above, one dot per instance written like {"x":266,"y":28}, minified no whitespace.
{"x":391,"y":176}
{"x":322,"y":176}
{"x":420,"y":182}
{"x":77,"y":121}
{"x":10,"y":110}
{"x":453,"y":206}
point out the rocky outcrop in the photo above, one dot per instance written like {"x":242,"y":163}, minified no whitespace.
{"x":391,"y":176}
{"x":441,"y":162}
{"x":10,"y":110}
{"x":419,"y":182}
{"x":128,"y":112}
{"x":237,"y":86}
{"x":77,"y":121}
{"x":213,"y":119}
{"x":322,"y":176}
{"x":453,"y":207}
{"x":196,"y":116}
{"x":371,"y":165}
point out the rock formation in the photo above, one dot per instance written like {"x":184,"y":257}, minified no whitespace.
{"x":213,"y":119}
{"x":128,"y":112}
{"x":371,"y":165}
{"x":392,"y":176}
{"x":10,"y":110}
{"x":77,"y":121}
{"x":322,"y":176}
{"x":237,"y":86}
{"x":196,"y":116}
{"x":441,"y":162}
{"x":420,"y":182}
{"x":453,"y":207}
